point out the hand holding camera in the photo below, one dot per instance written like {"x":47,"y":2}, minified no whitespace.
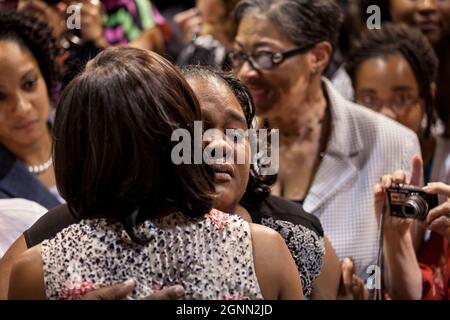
{"x":408,"y":204}
{"x":438,"y":219}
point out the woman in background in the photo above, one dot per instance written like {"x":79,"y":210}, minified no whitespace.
{"x":29,"y":74}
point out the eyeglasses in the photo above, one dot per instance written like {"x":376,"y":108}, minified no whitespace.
{"x":399,"y":104}
{"x":264,"y":60}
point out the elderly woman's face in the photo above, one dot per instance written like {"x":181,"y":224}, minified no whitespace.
{"x":221,"y":111}
{"x":24,"y":102}
{"x":284,"y":83}
{"x":431,"y":16}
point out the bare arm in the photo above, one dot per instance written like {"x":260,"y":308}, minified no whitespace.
{"x":403,"y":277}
{"x":6,"y":263}
{"x":326,"y":285}
{"x":27,"y":277}
{"x":275,"y":268}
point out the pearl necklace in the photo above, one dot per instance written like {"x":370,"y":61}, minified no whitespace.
{"x":41,"y":168}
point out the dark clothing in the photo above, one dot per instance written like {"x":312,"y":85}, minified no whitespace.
{"x":49,"y":225}
{"x":281,"y":209}
{"x":301,"y":231}
{"x":17,"y":182}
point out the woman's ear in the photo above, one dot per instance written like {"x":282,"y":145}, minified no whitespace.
{"x":321,"y":53}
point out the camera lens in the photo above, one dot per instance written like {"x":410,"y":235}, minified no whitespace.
{"x":415,"y":207}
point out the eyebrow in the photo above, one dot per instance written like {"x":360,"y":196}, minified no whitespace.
{"x":28,"y":72}
{"x":257,"y":44}
{"x":235,"y":116}
{"x":403,"y":88}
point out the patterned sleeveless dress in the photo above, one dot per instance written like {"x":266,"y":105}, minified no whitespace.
{"x":211,"y":257}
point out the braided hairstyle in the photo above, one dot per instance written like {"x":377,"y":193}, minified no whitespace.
{"x":36,"y":36}
{"x":415,"y":49}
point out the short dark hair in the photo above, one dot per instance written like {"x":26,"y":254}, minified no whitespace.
{"x":35,"y":36}
{"x":412,"y":45}
{"x":304,"y":21}
{"x":258,"y":187}
{"x":112,"y":140}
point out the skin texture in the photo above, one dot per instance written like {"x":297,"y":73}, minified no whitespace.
{"x":217,"y":109}
{"x":431,"y":16}
{"x":402,"y":274}
{"x":208,"y":17}
{"x":289,"y":98}
{"x":24,"y":108}
{"x":6,"y":262}
{"x":387,"y":79}
{"x":221,"y":111}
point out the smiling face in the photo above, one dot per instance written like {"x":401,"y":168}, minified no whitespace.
{"x":281,"y":87}
{"x":24,"y":101}
{"x":381,"y":81}
{"x":221,"y":111}
{"x":431,"y":16}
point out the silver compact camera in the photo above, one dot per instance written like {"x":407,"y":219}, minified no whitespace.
{"x":410,"y":201}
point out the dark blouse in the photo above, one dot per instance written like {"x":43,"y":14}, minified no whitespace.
{"x":301,"y":231}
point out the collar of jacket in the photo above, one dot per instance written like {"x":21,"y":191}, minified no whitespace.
{"x":17,"y":182}
{"x":337,"y":167}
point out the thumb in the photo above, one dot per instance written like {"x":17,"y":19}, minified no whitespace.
{"x":417,"y":171}
{"x":170,"y":293}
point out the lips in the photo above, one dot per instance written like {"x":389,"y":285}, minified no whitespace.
{"x":429,"y":25}
{"x":258,"y":94}
{"x":25,"y":125}
{"x":224,"y":172}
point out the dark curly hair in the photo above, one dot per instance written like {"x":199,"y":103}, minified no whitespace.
{"x":412,"y":45}
{"x":36,"y":36}
{"x":258,"y":187}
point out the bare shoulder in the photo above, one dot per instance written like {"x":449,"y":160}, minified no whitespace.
{"x":27,"y":276}
{"x":277,"y":280}
{"x":264,"y":235}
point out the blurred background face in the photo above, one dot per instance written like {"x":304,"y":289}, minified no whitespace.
{"x":388,"y":85}
{"x":284,"y":84}
{"x":431,"y":16}
{"x":212,"y":12}
{"x":24,"y":102}
{"x":221,"y":110}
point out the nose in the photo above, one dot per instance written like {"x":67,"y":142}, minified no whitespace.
{"x":21,"y":104}
{"x":246,"y":72}
{"x":217,"y":147}
{"x":427,"y":6}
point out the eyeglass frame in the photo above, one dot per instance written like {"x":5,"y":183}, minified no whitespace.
{"x":276,"y":57}
{"x":398,"y":109}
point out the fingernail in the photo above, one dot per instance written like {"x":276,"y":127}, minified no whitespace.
{"x":129,"y":283}
{"x":179,"y":290}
